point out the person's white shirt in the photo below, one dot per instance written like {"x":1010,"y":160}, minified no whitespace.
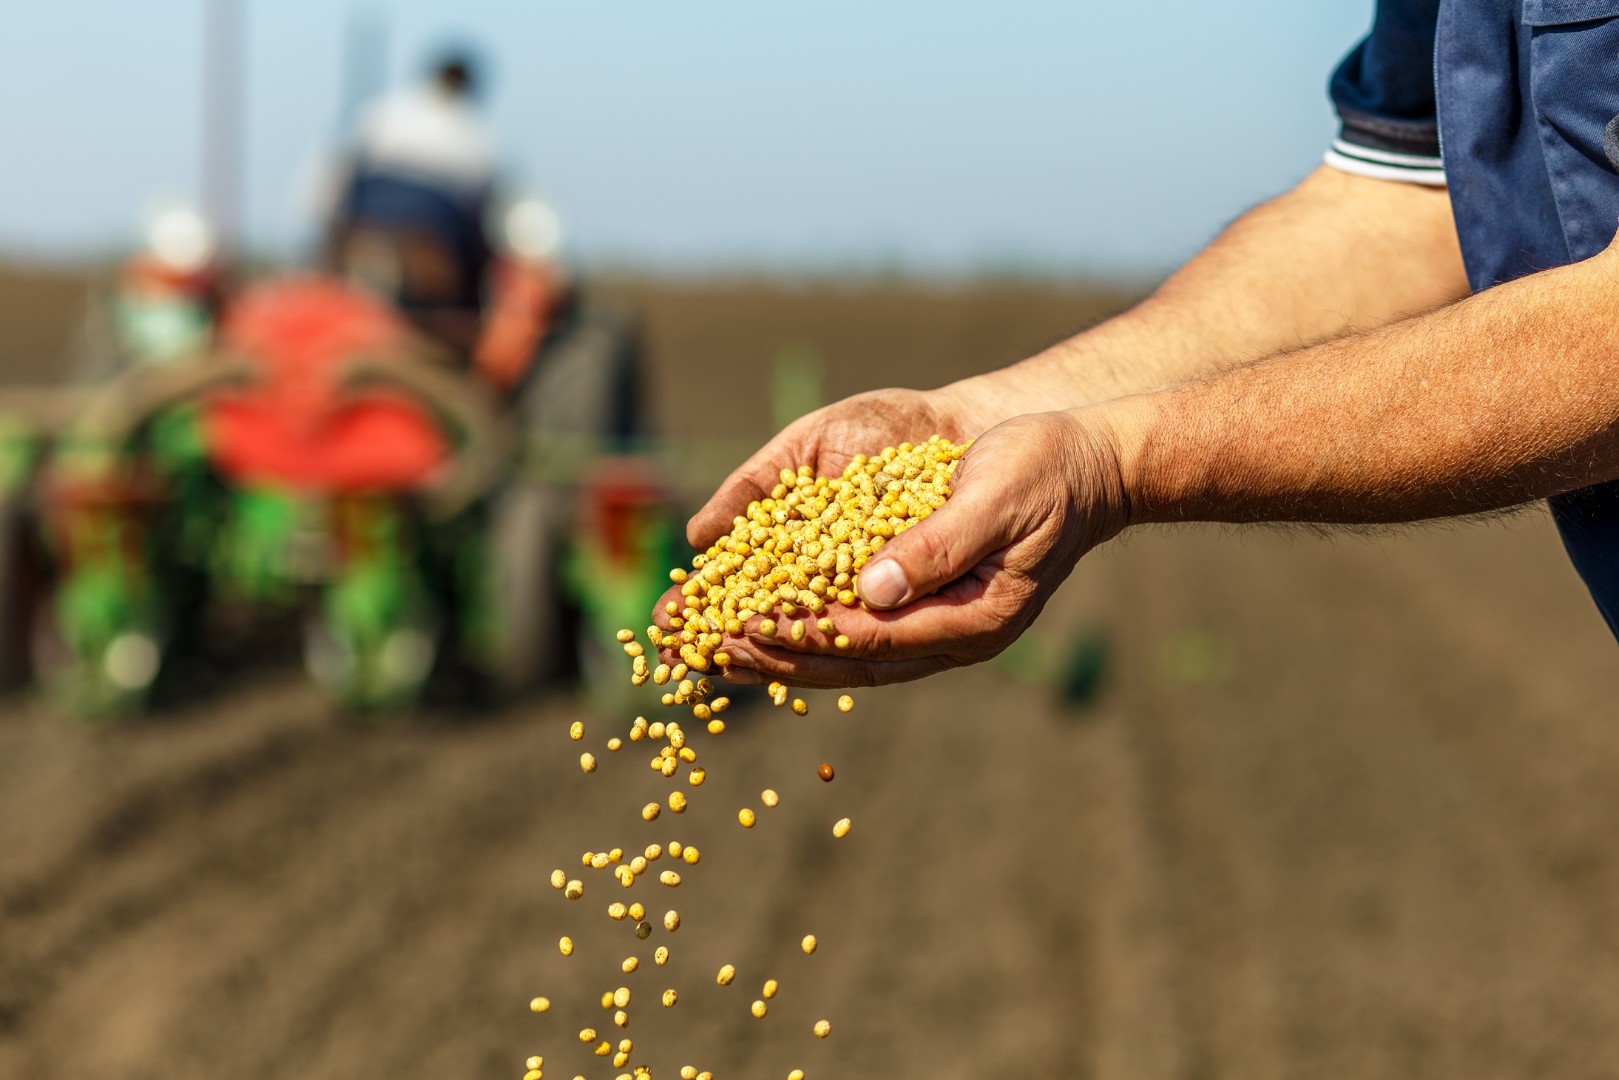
{"x":431,"y":133}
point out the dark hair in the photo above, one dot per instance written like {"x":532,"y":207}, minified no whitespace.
{"x":458,"y":69}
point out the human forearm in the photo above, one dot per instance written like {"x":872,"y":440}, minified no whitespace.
{"x":1338,"y":253}
{"x":1506,"y":397}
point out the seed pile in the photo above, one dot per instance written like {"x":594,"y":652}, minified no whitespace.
{"x":785,"y":569}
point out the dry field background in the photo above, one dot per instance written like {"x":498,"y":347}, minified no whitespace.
{"x":1341,"y":809}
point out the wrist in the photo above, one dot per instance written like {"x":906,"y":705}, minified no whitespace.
{"x":1124,"y":430}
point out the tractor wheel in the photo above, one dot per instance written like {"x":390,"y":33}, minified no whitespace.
{"x":20,"y":573}
{"x":526,"y":600}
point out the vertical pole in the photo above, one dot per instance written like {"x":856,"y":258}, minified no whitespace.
{"x":223,"y":134}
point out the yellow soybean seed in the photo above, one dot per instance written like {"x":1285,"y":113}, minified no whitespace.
{"x":716,"y":726}
{"x":800,"y":706}
{"x":671,"y":920}
{"x":722,"y":658}
{"x":576,"y":731}
{"x":770,"y":988}
{"x":534,"y":1062}
{"x":587,"y":762}
{"x":559,"y":879}
{"x":653,"y":852}
{"x":824,"y":625}
{"x":746,"y":817}
{"x":637,"y":911}
{"x":726,"y":976}
{"x":629,"y":965}
{"x":797,"y":632}
{"x":675,"y":848}
{"x":767,"y":628}
{"x":600,"y":861}
{"x":809,"y":944}
{"x":539,"y":1005}
{"x":769,"y":797}
{"x":650,"y":811}
{"x":574,"y":890}
{"x":670,"y":878}
{"x":796,"y":1074}
{"x":823,"y":1028}
{"x":625,"y":636}
{"x":845,"y":703}
{"x":841,"y":829}
{"x":587,"y":1035}
{"x":621,"y":998}
{"x":615,"y":744}
{"x":719,"y":704}
{"x":660,"y":674}
{"x":638,"y":865}
{"x":660,"y":955}
{"x":677,"y":802}
{"x":669,"y":998}
{"x":604,"y":1048}
{"x":617,"y":911}
{"x":841,"y":641}
{"x":696,"y":777}
{"x":688,"y":1072}
{"x":633,"y":650}
{"x":759,"y":1008}
{"x":565,"y":946}
{"x":691,"y":855}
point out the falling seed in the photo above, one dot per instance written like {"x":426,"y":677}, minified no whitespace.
{"x":809,"y":944}
{"x":841,"y":829}
{"x":539,"y":1005}
{"x":826,"y":772}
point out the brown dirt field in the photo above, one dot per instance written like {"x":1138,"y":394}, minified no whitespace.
{"x":1343,"y":809}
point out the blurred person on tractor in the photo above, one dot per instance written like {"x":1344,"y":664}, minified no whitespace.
{"x":1410,"y":333}
{"x":410,"y":221}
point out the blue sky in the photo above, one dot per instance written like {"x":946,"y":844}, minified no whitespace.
{"x":942,"y":137}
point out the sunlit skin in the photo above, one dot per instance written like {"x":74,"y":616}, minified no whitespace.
{"x":1319,"y":362}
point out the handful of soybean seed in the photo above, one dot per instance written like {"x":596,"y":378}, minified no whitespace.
{"x":790,"y":563}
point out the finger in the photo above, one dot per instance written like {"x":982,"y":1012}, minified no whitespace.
{"x":815,"y":671}
{"x":975,"y":523}
{"x":971,"y":613}
{"x":749,"y":481}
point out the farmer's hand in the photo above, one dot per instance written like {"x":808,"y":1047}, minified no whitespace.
{"x":1030,"y":498}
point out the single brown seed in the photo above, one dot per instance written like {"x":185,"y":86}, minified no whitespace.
{"x":826,"y":772}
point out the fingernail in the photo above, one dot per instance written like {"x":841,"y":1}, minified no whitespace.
{"x":743,"y":677}
{"x":739,"y":658}
{"x":883,"y":585}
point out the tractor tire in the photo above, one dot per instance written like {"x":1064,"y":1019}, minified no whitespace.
{"x":526,"y":539}
{"x":20,"y":574}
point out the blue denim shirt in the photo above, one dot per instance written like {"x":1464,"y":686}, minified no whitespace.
{"x":1515,"y":96}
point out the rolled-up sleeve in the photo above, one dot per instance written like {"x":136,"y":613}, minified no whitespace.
{"x":1384,"y":95}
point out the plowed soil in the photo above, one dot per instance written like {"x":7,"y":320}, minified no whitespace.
{"x":1339,"y":808}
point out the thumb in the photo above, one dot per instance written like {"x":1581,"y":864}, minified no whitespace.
{"x":974,"y":524}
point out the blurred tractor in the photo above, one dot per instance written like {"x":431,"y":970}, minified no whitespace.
{"x":382,"y":452}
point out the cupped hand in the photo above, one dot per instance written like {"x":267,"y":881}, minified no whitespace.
{"x":1031,"y":497}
